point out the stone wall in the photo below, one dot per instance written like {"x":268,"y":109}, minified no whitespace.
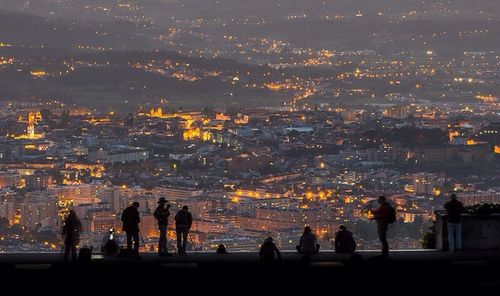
{"x":479,"y":232}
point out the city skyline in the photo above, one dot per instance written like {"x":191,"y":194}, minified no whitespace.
{"x":263,"y":117}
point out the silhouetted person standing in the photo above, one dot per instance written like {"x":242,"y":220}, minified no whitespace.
{"x":344,"y":241}
{"x":161,"y":214}
{"x":267,"y":251}
{"x":382,"y":216}
{"x":308,"y":243}
{"x":183,"y":221}
{"x":454,"y":209}
{"x":131,"y":220}
{"x":71,"y":231}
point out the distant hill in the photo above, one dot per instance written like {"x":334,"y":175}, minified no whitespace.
{"x":29,"y":30}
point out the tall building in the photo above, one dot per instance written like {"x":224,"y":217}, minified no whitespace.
{"x":102,"y":220}
{"x":129,"y":120}
{"x":39,"y":210}
{"x":424,"y":183}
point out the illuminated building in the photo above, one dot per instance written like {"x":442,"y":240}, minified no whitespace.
{"x":121,"y":155}
{"x":260,"y":193}
{"x":191,"y":134}
{"x":102,"y":220}
{"x":196,"y":133}
{"x":38,"y":73}
{"x":242,"y":119}
{"x":76,"y":194}
{"x":424,"y":183}
{"x":222,"y":117}
{"x":129,"y":120}
{"x":95,"y":170}
{"x":39,"y":210}
{"x":156,"y":113}
{"x":10,"y":206}
{"x":480,"y":197}
{"x":10,"y":179}
{"x":398,"y":112}
{"x":178,"y":192}
{"x":33,"y":117}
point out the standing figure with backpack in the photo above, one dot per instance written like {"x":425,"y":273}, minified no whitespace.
{"x":131,"y":219}
{"x":71,"y":231}
{"x":385,"y":214}
{"x":183,"y":221}
{"x":161,"y":214}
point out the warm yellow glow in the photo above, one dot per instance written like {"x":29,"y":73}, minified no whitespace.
{"x":487,"y":98}
{"x":156,"y":113}
{"x":471,"y":142}
{"x":452,"y":135}
{"x":222,"y":117}
{"x":191,"y":134}
{"x":38,"y":73}
{"x":207,"y":136}
{"x":436,"y":191}
{"x":497,"y":149}
{"x":33,"y":118}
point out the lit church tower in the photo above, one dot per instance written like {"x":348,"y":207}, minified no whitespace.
{"x":31,"y":125}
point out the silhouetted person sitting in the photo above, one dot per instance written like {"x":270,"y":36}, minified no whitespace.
{"x":131,"y":220}
{"x":267,"y":251}
{"x":71,"y":231}
{"x":344,"y":241}
{"x":110,"y":246}
{"x":221,"y":250}
{"x":308,"y":243}
{"x":183,"y":222}
{"x":454,"y":210}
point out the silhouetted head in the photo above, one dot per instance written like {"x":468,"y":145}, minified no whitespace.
{"x":453,"y":196}
{"x":185,"y":208}
{"x":342,"y":228}
{"x":221,"y":249}
{"x":162,"y":200}
{"x":269,"y":239}
{"x":381,"y":199}
{"x":307,"y":229}
{"x":71,"y":214}
{"x":135,"y":204}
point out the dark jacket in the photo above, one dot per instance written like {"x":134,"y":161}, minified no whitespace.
{"x":308,"y":243}
{"x":381,"y":214}
{"x":71,"y":230}
{"x":267,"y":251}
{"x":344,"y":242}
{"x":131,"y":219}
{"x":161,"y":214}
{"x":454,"y":209}
{"x":183,"y":218}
